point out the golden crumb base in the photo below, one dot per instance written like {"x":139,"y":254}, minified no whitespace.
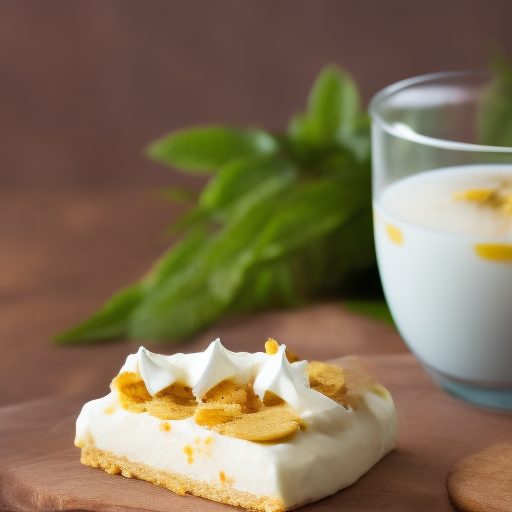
{"x":178,"y":483}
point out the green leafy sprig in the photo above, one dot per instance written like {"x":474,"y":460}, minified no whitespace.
{"x":285,"y":218}
{"x":495,"y":119}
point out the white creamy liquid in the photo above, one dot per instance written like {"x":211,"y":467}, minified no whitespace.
{"x":446,"y":268}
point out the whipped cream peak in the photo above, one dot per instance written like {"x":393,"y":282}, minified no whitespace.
{"x":282,"y":378}
{"x":214,"y":365}
{"x":131,"y":364}
{"x":290,"y":382}
{"x":157,"y":371}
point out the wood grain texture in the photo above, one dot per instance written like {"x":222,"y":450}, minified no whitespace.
{"x":483,"y":482}
{"x":40,"y":468}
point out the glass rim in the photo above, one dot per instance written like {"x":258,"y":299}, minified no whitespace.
{"x":425,"y":140}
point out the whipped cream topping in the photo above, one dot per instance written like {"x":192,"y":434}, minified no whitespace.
{"x":291,"y":383}
{"x":215,"y":365}
{"x":204,"y":370}
{"x":157,"y":372}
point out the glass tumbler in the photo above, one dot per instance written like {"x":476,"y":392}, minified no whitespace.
{"x":442,"y":198}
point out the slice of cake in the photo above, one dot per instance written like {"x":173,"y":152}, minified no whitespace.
{"x":264,"y":431}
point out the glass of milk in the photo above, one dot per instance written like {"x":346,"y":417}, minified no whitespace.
{"x":443,"y":230}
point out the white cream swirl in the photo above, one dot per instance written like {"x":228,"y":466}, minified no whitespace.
{"x":291,"y":383}
{"x":204,"y":370}
{"x":215,"y":365}
{"x":157,"y":371}
{"x":282,"y":378}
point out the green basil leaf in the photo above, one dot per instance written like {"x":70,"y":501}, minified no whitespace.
{"x":495,"y":116}
{"x":243,"y":183}
{"x":334,"y":103}
{"x":176,"y":316}
{"x":304,"y":129}
{"x":207,"y":149}
{"x":312,"y":210}
{"x":267,"y":285}
{"x":177,"y":259}
{"x":333,"y":121}
{"x":110,"y":322}
{"x":194,"y":218}
{"x":359,"y":139}
{"x":333,"y":109}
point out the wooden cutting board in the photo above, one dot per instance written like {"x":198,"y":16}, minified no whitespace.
{"x":40,"y":468}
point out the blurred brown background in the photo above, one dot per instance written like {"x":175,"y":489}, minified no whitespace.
{"x":85,"y":84}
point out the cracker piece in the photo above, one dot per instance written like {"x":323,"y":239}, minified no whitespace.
{"x":212,"y":414}
{"x":227,"y":392}
{"x":483,"y":482}
{"x":175,"y":402}
{"x":269,"y":424}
